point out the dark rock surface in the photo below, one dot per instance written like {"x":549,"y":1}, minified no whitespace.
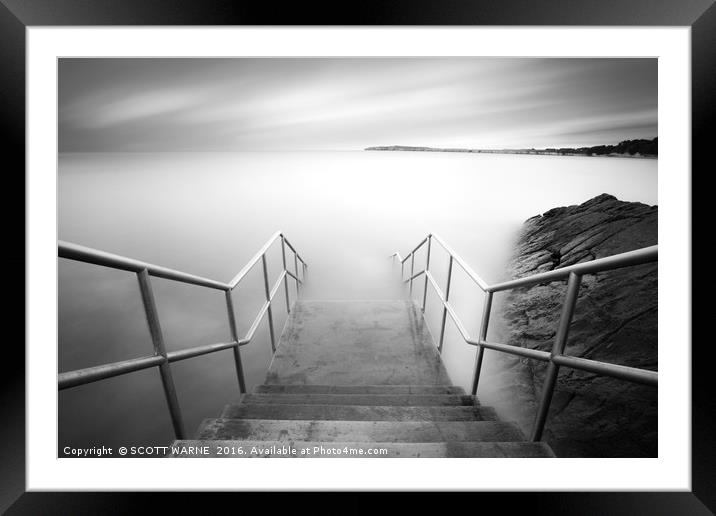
{"x":615,"y":321}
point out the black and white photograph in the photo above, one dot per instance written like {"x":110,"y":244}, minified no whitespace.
{"x":357,"y":257}
{"x":440,"y":235}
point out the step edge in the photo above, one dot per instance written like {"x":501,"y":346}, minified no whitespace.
{"x":488,"y":413}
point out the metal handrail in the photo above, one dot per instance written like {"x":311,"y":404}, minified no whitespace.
{"x":556,"y":358}
{"x":81,"y":253}
{"x":161,"y":357}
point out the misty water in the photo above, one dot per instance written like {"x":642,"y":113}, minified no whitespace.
{"x":346,"y":212}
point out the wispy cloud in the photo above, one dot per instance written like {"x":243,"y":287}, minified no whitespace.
{"x":116,"y":108}
{"x":260,"y":104}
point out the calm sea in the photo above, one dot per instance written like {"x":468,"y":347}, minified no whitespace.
{"x":346,"y":212}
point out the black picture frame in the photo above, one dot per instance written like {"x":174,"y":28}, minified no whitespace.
{"x":17,"y":15}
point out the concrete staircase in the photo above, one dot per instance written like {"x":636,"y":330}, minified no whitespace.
{"x":349,"y":377}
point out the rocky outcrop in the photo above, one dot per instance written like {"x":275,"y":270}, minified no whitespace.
{"x":615,"y":321}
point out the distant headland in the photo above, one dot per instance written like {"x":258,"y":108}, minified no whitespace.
{"x":623,"y":149}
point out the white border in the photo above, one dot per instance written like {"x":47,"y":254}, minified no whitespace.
{"x":670,"y":471}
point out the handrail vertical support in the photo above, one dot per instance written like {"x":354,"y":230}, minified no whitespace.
{"x":486,"y":309}
{"x":412,"y":271}
{"x":295,"y":267}
{"x":268,"y":300}
{"x":427,"y":268}
{"x":155,"y":330}
{"x":285,"y":278}
{"x":235,"y":338}
{"x":447,"y":296}
{"x":560,"y":341}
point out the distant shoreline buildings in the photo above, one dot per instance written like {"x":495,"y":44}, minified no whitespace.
{"x":641,"y":148}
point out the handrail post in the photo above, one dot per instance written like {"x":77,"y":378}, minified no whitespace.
{"x":295,"y":266}
{"x":486,"y":309}
{"x":447,"y":296}
{"x":155,"y":330}
{"x":235,"y":338}
{"x":427,"y":267}
{"x":402,"y":271}
{"x":412,"y":269}
{"x":560,"y":341}
{"x":285,"y":278}
{"x":268,"y":300}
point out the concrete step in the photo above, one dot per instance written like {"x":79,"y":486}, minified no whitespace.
{"x":303,"y":449}
{"x":357,"y":389}
{"x":356,"y":343}
{"x":358,"y":412}
{"x":403,"y":400}
{"x":358,"y":431}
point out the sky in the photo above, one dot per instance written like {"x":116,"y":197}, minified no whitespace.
{"x":275,"y":104}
